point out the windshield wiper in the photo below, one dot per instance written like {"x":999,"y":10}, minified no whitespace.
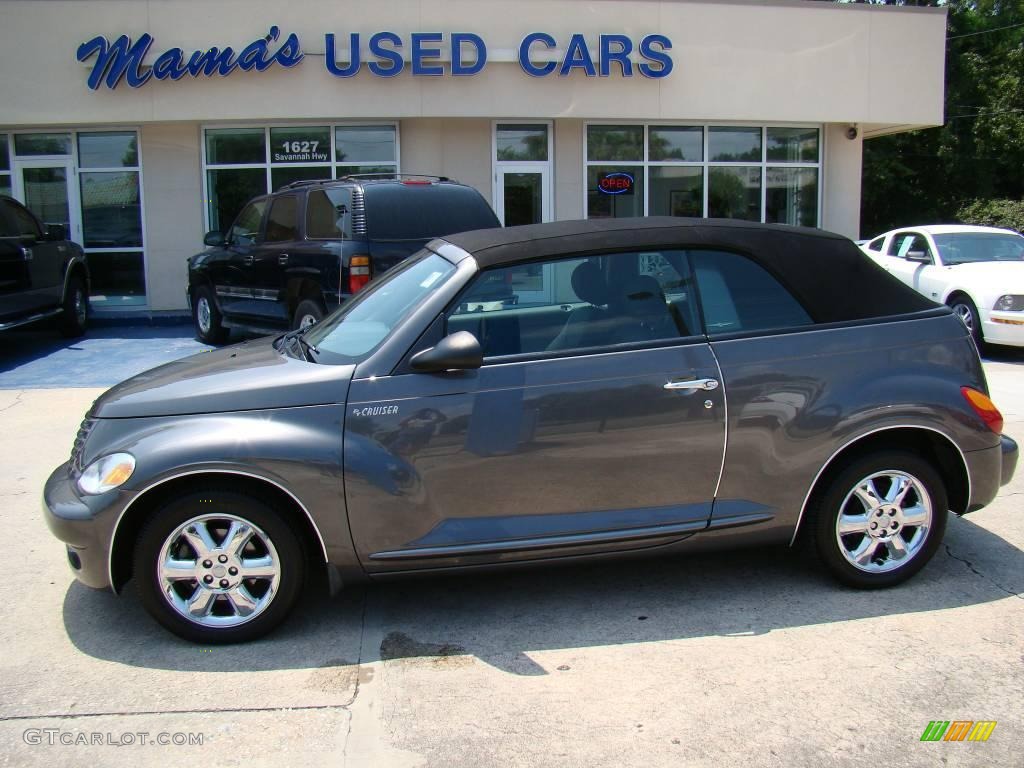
{"x":304,"y":346}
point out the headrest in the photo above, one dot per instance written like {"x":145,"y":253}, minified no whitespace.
{"x":589,"y":284}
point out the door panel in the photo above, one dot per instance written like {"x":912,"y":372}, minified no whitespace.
{"x":532,"y":459}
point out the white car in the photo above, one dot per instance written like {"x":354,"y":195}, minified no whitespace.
{"x":978,"y":271}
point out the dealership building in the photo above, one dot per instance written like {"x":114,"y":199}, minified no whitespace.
{"x":141,"y":125}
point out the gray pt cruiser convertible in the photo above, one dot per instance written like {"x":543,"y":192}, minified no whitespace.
{"x":536,"y":394}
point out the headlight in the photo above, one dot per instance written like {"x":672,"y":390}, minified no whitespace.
{"x":1009,"y":303}
{"x":106,"y":474}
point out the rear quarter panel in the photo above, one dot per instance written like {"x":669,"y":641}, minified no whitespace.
{"x":796,"y":398}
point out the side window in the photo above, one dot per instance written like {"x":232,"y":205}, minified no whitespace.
{"x":283,"y":222}
{"x":876,"y":244}
{"x":578,"y":303}
{"x":916,"y":243}
{"x":326,"y":216}
{"x":739,"y":295}
{"x":900,"y":244}
{"x":246,"y":229}
{"x":24,"y":222}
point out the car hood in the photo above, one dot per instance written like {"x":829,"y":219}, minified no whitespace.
{"x":1001,"y":276}
{"x":245,"y":377}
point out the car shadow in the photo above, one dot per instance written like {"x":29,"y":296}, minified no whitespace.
{"x":1001,"y":354}
{"x":501,"y":618}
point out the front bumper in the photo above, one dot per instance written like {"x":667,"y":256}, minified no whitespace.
{"x":83,"y":524}
{"x":1003,"y":328}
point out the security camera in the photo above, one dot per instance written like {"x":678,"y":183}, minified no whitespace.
{"x":851,"y":132}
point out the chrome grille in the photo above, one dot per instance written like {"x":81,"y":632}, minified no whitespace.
{"x":76,"y":449}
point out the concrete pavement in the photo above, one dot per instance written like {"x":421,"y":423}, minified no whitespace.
{"x":743,"y":659}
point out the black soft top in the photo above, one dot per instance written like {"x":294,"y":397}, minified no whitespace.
{"x":833,"y":279}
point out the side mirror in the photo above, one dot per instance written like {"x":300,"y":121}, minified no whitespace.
{"x":55,"y":232}
{"x":921,"y":257}
{"x":459,"y":351}
{"x":214,"y":238}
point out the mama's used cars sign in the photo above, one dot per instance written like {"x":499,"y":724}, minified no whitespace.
{"x":385,"y":54}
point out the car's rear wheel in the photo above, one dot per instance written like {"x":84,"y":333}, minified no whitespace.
{"x":966,"y":310}
{"x":218,"y":566}
{"x":76,"y":309}
{"x":207,"y":318}
{"x":307,"y":314}
{"x":880,"y":519}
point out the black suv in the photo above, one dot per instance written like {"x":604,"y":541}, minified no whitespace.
{"x":295,"y":255}
{"x":42,"y":273}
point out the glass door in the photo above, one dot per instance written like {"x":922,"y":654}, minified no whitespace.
{"x":521,"y":194}
{"x":48,"y":189}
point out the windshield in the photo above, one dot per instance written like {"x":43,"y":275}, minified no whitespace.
{"x":968,"y":248}
{"x":364,"y":322}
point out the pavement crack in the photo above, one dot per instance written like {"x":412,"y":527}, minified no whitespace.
{"x":209,"y":711}
{"x":17,"y":401}
{"x":359,"y":671}
{"x":976,"y":572}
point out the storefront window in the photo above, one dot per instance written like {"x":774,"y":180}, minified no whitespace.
{"x":755,"y":173}
{"x":522,"y":143}
{"x":108,"y":149}
{"x":364,"y":144}
{"x":734,"y":145}
{"x":734,"y":193}
{"x":280,"y":177}
{"x":5,"y":167}
{"x":677,"y":191}
{"x":792,"y":196}
{"x":792,"y":145}
{"x":615,"y":142}
{"x":234,"y":146}
{"x":34,"y":144}
{"x":229,"y":189}
{"x":111,"y":213}
{"x":677,"y":143}
{"x":614,"y":191}
{"x":241,"y":163}
{"x":109,"y":185}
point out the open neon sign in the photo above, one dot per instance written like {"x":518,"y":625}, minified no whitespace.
{"x":618,"y":183}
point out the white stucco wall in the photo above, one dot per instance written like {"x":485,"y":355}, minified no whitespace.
{"x":734,"y":60}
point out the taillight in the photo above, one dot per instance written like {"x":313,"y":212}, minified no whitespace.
{"x":358,"y":273}
{"x":985,"y":408}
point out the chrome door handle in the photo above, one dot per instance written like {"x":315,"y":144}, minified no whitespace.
{"x":702,"y":384}
{"x":282,"y":259}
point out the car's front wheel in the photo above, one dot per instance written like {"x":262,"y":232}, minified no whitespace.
{"x":881,"y":519}
{"x":218,"y":566}
{"x":966,"y":310}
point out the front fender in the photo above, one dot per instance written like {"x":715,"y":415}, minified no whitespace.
{"x":298,"y":450}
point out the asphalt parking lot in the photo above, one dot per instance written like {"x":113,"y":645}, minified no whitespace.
{"x":744,"y":659}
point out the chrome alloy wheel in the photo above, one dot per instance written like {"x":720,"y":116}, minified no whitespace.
{"x":203,"y":314}
{"x":218,"y":570}
{"x":965,"y":314}
{"x":883,"y":522}
{"x":306,"y":321}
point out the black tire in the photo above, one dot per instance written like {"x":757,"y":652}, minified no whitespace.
{"x":204,"y":506}
{"x":206,"y":317}
{"x":74,"y":318}
{"x":834,"y":549}
{"x":307,"y":308}
{"x":967,"y":311}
